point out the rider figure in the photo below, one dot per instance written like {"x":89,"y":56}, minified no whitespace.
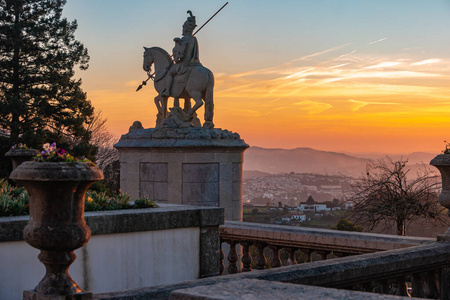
{"x":185,"y":54}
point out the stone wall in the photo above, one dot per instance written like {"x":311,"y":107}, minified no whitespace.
{"x":128,"y":249}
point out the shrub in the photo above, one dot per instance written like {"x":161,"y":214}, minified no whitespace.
{"x":346,"y":225}
{"x":14,"y":201}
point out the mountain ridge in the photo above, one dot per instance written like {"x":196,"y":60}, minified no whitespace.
{"x":309,"y":160}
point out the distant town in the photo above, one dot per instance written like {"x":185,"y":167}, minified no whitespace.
{"x":292,"y":198}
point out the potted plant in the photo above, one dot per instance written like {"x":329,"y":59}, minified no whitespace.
{"x":442,"y":163}
{"x":57,"y":183}
{"x":20,"y":153}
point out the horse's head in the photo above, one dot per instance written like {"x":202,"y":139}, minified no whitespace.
{"x":148,"y":59}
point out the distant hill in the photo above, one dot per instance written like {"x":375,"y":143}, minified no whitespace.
{"x":307,"y":160}
{"x":413,"y":158}
{"x":254,"y":173}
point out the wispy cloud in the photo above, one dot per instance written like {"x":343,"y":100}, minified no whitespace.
{"x":377,"y":41}
{"x":385,"y":64}
{"x":333,"y":49}
{"x":358,"y":104}
{"x":426,"y":62}
{"x":336,"y":82}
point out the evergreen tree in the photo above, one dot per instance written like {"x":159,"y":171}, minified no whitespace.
{"x":39,"y":99}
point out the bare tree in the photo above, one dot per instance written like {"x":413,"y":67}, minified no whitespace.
{"x":103,"y":140}
{"x":385,"y":196}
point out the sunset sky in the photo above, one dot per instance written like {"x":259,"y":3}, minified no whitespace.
{"x":336,"y":75}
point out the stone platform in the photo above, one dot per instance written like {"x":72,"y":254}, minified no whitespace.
{"x":190,"y":166}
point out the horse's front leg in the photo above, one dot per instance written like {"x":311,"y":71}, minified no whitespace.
{"x":159,"y":115}
{"x":164,"y":106}
{"x":158,"y":104}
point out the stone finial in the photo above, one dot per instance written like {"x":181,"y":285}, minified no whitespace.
{"x":136,"y":125}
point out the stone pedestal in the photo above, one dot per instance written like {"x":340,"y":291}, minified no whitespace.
{"x":442,"y":163}
{"x":190,"y":166}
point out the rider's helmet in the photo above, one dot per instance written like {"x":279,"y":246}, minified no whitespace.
{"x":190,"y":24}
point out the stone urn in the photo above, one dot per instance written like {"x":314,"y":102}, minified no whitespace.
{"x":19,"y":156}
{"x":442,"y":163}
{"x":57,"y":227}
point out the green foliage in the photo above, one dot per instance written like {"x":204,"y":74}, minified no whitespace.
{"x":96,"y":201}
{"x":144,"y":203}
{"x":14,"y":201}
{"x":39,"y":98}
{"x":100,"y":187}
{"x":346,"y":225}
{"x":121,"y":201}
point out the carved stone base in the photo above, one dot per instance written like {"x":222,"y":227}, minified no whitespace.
{"x":32,"y":295}
{"x":190,"y":166}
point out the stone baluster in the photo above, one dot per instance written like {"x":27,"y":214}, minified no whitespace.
{"x":307,"y":253}
{"x":260,"y":259}
{"x":433,"y":285}
{"x":222,"y":257}
{"x":417,"y":285}
{"x":424,"y":285}
{"x":323,"y":254}
{"x":386,"y":287}
{"x":292,"y":259}
{"x":232,"y":258}
{"x":276,"y":262}
{"x":402,"y":289}
{"x":246,"y":257}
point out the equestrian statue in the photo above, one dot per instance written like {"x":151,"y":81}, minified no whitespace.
{"x":181,"y":77}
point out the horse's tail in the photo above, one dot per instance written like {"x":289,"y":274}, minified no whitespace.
{"x":209,"y":103}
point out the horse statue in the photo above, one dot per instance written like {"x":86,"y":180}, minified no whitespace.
{"x":197,"y":83}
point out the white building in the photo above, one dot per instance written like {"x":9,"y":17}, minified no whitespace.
{"x":312,"y":207}
{"x":294,"y":217}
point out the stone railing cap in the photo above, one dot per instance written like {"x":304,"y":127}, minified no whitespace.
{"x":167,"y":216}
{"x":181,"y":137}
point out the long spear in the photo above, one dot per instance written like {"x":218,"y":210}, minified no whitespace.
{"x":152,"y":75}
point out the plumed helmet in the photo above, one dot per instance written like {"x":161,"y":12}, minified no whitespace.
{"x":190,"y":23}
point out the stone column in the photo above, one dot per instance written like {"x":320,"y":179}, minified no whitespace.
{"x":190,"y":166}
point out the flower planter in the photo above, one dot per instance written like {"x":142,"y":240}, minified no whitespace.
{"x":57,"y":227}
{"x":19,"y":156}
{"x":442,"y":163}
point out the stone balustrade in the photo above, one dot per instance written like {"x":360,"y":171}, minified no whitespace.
{"x":262,"y":244}
{"x":425,"y":268}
